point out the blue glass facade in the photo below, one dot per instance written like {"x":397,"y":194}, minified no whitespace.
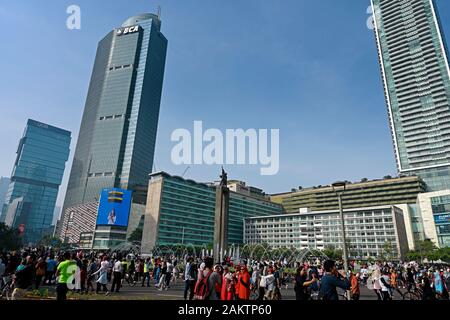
{"x":117,"y":137}
{"x":37,"y":174}
{"x":185,"y":210}
{"x":441,"y":214}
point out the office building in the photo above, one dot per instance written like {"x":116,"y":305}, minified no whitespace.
{"x":4,"y":183}
{"x":369,"y":231}
{"x":77,"y":220}
{"x":117,"y":137}
{"x":416,"y":78}
{"x":181,"y":211}
{"x":37,"y":174}
{"x":242,"y":188}
{"x":357,"y":195}
{"x":435,"y":210}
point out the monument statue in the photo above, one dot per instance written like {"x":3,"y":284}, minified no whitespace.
{"x":224,"y":178}
{"x":221,"y":218}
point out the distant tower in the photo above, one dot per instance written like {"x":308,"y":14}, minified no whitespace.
{"x":116,"y":144}
{"x":37,"y":174}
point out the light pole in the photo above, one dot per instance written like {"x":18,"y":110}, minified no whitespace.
{"x":182,"y":237}
{"x":339,"y":189}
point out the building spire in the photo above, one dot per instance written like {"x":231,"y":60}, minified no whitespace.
{"x":159,"y":12}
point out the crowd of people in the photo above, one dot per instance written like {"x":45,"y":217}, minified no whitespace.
{"x":106,"y":273}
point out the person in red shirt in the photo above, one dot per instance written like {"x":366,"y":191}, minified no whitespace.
{"x":354,"y":286}
{"x":236,"y":282}
{"x":227,"y":291}
{"x":244,"y":284}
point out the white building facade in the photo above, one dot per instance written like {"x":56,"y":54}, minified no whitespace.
{"x":369,"y":231}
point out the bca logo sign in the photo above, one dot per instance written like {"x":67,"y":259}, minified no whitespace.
{"x":127,"y":30}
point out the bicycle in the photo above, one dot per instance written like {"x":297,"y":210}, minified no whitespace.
{"x":254,"y":292}
{"x":130,"y":280}
{"x":7,"y":288}
{"x":416,"y":294}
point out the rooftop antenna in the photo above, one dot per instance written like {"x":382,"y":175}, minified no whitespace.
{"x":185,"y":171}
{"x":159,"y":12}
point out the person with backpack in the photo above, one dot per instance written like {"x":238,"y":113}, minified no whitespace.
{"x":261,"y":285}
{"x":41,"y":267}
{"x":207,"y":281}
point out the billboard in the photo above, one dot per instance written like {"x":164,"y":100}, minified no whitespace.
{"x":114,"y":208}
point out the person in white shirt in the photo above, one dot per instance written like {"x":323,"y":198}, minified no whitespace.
{"x":117,"y":275}
{"x":269,"y":284}
{"x":169,"y":273}
{"x":384,"y":283}
{"x":102,"y":280}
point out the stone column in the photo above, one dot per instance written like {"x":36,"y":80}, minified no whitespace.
{"x":221,"y":222}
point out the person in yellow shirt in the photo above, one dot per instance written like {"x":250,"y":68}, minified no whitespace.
{"x":65,"y":272}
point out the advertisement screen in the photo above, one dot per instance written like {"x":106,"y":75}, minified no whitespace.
{"x":114,"y":208}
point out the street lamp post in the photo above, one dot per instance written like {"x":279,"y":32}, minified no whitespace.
{"x":339,"y":189}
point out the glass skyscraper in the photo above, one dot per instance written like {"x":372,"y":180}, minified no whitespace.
{"x":4,"y":183}
{"x":416,"y":76}
{"x":117,"y":136}
{"x":37,"y":174}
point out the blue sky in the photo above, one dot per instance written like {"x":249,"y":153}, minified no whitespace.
{"x":306,"y":67}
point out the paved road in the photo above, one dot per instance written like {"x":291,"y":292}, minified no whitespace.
{"x":175,"y":292}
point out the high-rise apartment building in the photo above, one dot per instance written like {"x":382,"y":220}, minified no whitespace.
{"x":117,"y":136}
{"x":416,"y":78}
{"x":37,"y":174}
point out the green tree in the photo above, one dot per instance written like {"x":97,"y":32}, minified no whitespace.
{"x":426,"y":249}
{"x":388,"y":251}
{"x":333,"y":253}
{"x":9,"y":238}
{"x":49,"y":240}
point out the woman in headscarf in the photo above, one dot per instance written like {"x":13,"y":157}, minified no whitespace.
{"x":102,"y":280}
{"x":376,"y":276}
{"x":244,"y":283}
{"x":438,"y":285}
{"x":227,"y":292}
